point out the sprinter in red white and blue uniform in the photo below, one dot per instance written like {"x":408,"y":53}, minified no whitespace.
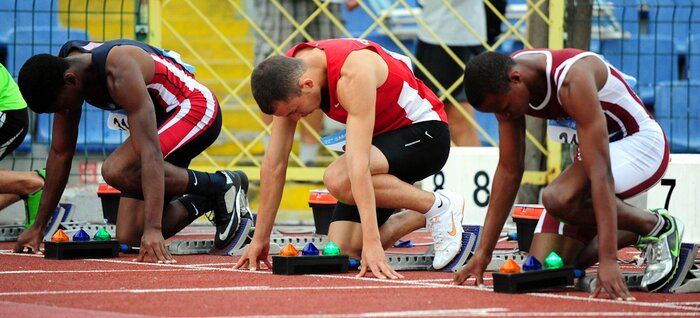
{"x":622,"y":152}
{"x":171,"y":118}
{"x":396,"y":134}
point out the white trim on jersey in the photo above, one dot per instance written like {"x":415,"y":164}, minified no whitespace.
{"x":548,"y":71}
{"x":566,"y":66}
{"x":417,"y":109}
{"x":192,"y":85}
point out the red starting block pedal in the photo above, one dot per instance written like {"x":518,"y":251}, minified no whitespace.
{"x":535,"y":280}
{"x":300,"y":265}
{"x":79,"y":250}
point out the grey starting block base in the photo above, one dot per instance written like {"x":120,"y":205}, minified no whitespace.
{"x":424,"y":262}
{"x":500,"y":258}
{"x":10,"y":233}
{"x":588,"y":283}
{"x":686,"y":280}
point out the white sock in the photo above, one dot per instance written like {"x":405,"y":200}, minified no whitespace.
{"x":440,"y":206}
{"x":658,"y":227}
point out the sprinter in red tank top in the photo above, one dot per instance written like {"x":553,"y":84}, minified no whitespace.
{"x":396,"y":134}
{"x":622,"y":152}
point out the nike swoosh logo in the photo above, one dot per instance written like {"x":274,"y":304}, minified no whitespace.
{"x":337,"y":104}
{"x":196,"y":211}
{"x":427,"y":134}
{"x":440,"y":205}
{"x":195,"y":178}
{"x":454,"y":228}
{"x":224,"y":234}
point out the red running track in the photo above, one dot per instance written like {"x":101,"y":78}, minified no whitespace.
{"x":207,"y":286}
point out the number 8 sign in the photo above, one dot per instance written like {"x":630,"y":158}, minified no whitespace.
{"x":469,"y":171}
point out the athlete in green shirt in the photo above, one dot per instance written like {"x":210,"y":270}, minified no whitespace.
{"x":14,"y":123}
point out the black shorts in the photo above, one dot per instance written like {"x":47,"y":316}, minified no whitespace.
{"x":13,"y":128}
{"x":443,"y":67}
{"x":414,"y":153}
{"x":184,"y":155}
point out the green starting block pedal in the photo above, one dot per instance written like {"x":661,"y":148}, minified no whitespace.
{"x":81,"y":250}
{"x":300,"y":265}
{"x":535,"y":280}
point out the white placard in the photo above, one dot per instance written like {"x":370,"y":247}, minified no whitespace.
{"x":678,"y":191}
{"x":469,"y":171}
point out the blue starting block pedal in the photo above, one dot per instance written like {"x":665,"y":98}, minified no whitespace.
{"x":687,"y":278}
{"x":300,"y":265}
{"x":81,"y":250}
{"x":535,"y":280}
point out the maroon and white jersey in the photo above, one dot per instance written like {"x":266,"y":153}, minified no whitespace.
{"x":624,"y":111}
{"x":401,"y":101}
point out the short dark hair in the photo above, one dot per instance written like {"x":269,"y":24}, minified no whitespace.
{"x":487,"y":74}
{"x":41,"y":80}
{"x":275,"y":79}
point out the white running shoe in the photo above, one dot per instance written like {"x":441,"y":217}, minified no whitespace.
{"x":446,"y":229}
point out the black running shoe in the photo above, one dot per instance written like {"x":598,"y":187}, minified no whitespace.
{"x":228,"y":207}
{"x":663,"y":255}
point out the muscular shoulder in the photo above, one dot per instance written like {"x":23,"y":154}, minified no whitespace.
{"x":127,"y":58}
{"x":365,"y":63}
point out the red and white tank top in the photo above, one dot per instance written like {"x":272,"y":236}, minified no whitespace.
{"x":401,"y":101}
{"x":624,"y":112}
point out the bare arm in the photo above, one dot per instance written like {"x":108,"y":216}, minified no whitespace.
{"x":506,"y":183}
{"x":579,"y":97}
{"x":362,"y":73}
{"x":273,"y":174}
{"x":58,"y":165}
{"x":128,"y":69}
{"x":272,"y":179}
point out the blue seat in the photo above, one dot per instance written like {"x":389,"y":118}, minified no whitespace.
{"x":693,"y":57}
{"x":26,"y":146}
{"x":93,"y":134}
{"x":650,"y":59}
{"x":489,"y":123}
{"x":23,"y":42}
{"x":677,"y":112}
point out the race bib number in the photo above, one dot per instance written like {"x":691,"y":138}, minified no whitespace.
{"x":335,"y":142}
{"x":562,"y":131}
{"x":118,"y":121}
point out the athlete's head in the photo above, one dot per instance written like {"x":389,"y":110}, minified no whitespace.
{"x":48,"y":85}
{"x":276,"y":80}
{"x":283,"y":87}
{"x":41,"y":81}
{"x":493,"y":84}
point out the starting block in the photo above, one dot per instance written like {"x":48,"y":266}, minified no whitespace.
{"x":10,"y":233}
{"x":535,"y":280}
{"x":300,"y":265}
{"x":236,"y":247}
{"x":500,"y":258}
{"x":424,"y":262}
{"x":588,"y":283}
{"x":686,"y":280}
{"x":90,"y":228}
{"x":80,"y":250}
{"x":62,"y":214}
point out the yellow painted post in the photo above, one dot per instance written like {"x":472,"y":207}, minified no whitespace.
{"x":556,"y":41}
{"x":155,"y":35}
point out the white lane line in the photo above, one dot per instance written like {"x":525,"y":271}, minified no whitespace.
{"x":406,"y":282}
{"x":206,"y":289}
{"x":39,"y":271}
{"x":479,"y":312}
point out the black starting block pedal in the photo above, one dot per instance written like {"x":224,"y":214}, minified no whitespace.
{"x":535,"y":280}
{"x":300,"y":265}
{"x":80,"y":250}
